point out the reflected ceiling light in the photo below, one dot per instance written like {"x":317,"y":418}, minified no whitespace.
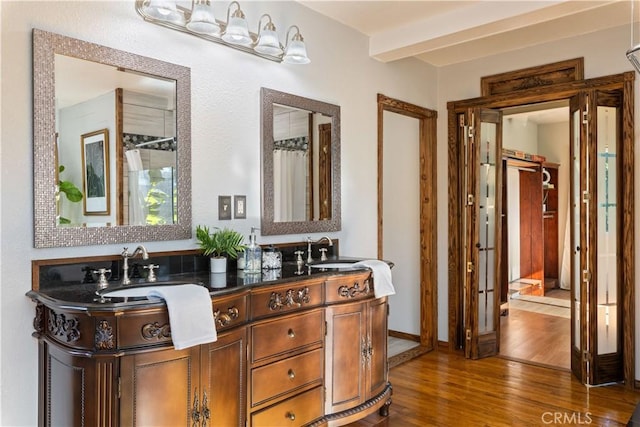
{"x":268,"y":42}
{"x":202,"y":20}
{"x":237,"y":31}
{"x":296,"y":51}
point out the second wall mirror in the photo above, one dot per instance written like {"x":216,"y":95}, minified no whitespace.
{"x":300,"y":164}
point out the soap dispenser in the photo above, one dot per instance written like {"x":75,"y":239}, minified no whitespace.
{"x":253,"y":254}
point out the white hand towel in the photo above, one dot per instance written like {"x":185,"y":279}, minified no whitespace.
{"x":190,"y":311}
{"x":382,"y":285}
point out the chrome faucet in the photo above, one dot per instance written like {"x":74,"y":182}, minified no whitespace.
{"x":125,"y":265}
{"x":310,"y":242}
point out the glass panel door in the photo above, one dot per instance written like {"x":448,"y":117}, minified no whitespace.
{"x":596,"y":347}
{"x":482,"y":231}
{"x":576,"y":134}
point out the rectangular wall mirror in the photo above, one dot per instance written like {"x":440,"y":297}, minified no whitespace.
{"x":300,"y":164}
{"x":111,"y":145}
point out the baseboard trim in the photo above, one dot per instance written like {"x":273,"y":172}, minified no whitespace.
{"x":404,"y":336}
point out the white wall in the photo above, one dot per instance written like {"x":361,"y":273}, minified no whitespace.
{"x":75,"y":121}
{"x":604,"y":54}
{"x":225,"y":139}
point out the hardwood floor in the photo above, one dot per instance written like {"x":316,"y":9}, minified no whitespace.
{"x":445,"y":389}
{"x":537,"y":338}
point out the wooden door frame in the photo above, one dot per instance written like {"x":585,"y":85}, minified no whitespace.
{"x":531,"y":95}
{"x":428,"y":213}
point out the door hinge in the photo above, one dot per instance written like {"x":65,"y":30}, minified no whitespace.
{"x":119,"y":387}
{"x":326,"y":328}
{"x":586,"y":196}
{"x":470,"y":267}
{"x":461,"y":120}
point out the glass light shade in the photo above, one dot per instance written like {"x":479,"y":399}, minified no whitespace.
{"x":163,"y":9}
{"x":237,"y":32}
{"x":202,"y":20}
{"x":296,"y":53}
{"x":268,"y":43}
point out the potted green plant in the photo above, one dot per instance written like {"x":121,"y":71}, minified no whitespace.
{"x":220,"y":244}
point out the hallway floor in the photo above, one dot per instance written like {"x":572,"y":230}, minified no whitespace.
{"x":537,"y":332}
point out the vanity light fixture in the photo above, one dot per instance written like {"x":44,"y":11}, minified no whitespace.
{"x":200,"y":21}
{"x":237,"y":31}
{"x":635,"y":49}
{"x":165,"y":10}
{"x":296,"y":51}
{"x":268,"y":38}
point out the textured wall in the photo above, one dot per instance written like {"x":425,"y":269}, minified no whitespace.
{"x":225,"y":138}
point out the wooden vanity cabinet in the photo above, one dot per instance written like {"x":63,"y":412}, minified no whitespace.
{"x":307,"y":352}
{"x":202,"y":385}
{"x":357,"y":346}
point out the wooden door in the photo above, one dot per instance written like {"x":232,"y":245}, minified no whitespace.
{"x":223,"y":380}
{"x":160,"y":388}
{"x":346,"y":346}
{"x":597,"y":340}
{"x":482,"y":169}
{"x":377,"y":347}
{"x":324,"y":171}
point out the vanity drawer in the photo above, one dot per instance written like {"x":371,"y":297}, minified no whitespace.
{"x":296,"y":411}
{"x":279,"y":378}
{"x":273,"y":338}
{"x":286,"y":298}
{"x":144,"y":329}
{"x":230,"y":311}
{"x":351,"y":287}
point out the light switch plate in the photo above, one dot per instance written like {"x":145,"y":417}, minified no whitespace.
{"x":224,"y":207}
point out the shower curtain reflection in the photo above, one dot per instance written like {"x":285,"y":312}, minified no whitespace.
{"x":290,"y":184}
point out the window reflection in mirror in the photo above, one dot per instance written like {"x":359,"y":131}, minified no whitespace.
{"x":136,"y":115}
{"x":301,"y":164}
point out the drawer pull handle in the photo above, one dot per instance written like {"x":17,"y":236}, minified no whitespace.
{"x":291,"y":416}
{"x":291,"y":374}
{"x":291,"y":334}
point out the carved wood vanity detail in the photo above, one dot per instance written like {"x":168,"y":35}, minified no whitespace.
{"x":304,"y":351}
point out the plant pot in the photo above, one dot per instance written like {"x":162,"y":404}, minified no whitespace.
{"x":218,"y":265}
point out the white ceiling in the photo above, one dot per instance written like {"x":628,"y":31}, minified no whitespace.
{"x":452,"y":31}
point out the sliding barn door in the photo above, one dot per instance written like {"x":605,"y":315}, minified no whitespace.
{"x":596,"y":330}
{"x":482,"y":131}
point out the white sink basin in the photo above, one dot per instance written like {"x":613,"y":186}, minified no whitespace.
{"x":333,"y":265}
{"x":137,"y":290}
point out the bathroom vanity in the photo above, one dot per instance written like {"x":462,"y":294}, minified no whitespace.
{"x":306,"y":348}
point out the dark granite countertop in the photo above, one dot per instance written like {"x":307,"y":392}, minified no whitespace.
{"x":79,"y":296}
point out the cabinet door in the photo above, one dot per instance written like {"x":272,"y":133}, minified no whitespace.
{"x":160,"y":388}
{"x":223,"y":387}
{"x":77,"y":391}
{"x":346,"y":347}
{"x":377,"y":347}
